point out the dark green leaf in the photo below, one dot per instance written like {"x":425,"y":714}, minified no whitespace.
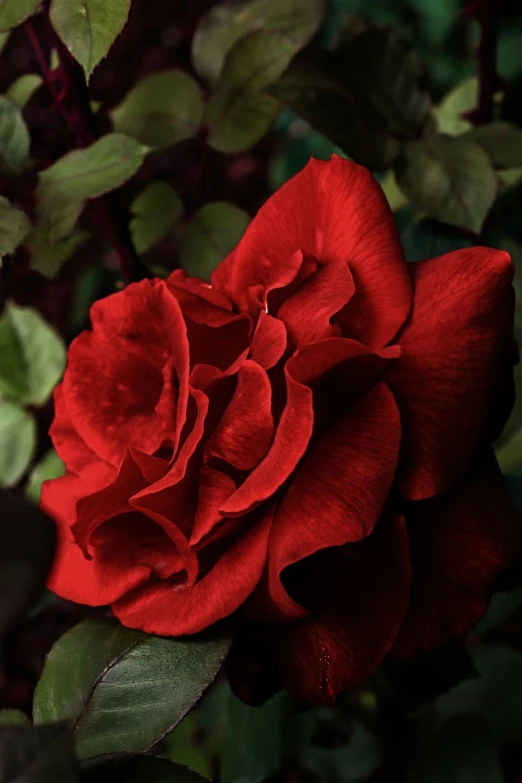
{"x":18,"y":439}
{"x":224,"y":25}
{"x":162,"y":109}
{"x":157,"y":209}
{"x":14,"y":12}
{"x":450,"y":179}
{"x":89,"y":27}
{"x":14,"y":138}
{"x":14,"y":227}
{"x":501,"y":141}
{"x":32,"y":359}
{"x":462,"y":752}
{"x":140,"y":770}
{"x":23,"y":88}
{"x":122,"y":689}
{"x":36,"y":755}
{"x":49,"y":467}
{"x":90,"y":172}
{"x":314,"y":89}
{"x":56,"y":220}
{"x":501,"y":607}
{"x":48,"y":257}
{"x":11,"y":717}
{"x":213,"y":233}
{"x":428,"y":239}
{"x":348,"y":762}
{"x":26,"y":551}
{"x":238,"y":114}
{"x":253,"y":746}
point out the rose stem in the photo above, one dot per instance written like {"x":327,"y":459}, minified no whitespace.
{"x":487,"y":14}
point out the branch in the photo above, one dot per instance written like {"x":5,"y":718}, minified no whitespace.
{"x":487,"y":14}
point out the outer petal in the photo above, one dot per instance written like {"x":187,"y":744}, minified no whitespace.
{"x":93,"y":582}
{"x":460,"y":542}
{"x":357,"y":597}
{"x":269,"y":341}
{"x":173,"y":610}
{"x":70,"y":447}
{"x":333,"y":211}
{"x":338,"y":494}
{"x":453,"y":349}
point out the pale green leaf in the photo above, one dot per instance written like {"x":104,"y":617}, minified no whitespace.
{"x":225,"y":24}
{"x":14,"y":139}
{"x":91,"y":171}
{"x":23,"y":88}
{"x":14,"y":227}
{"x":89,"y":27}
{"x":49,"y":467}
{"x":48,"y":257}
{"x":12,"y":717}
{"x":18,"y":439}
{"x":213,"y":233}
{"x":460,"y":100}
{"x":157,"y":209}
{"x":161,"y":110}
{"x":14,"y":12}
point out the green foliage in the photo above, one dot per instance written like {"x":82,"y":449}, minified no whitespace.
{"x":89,"y":172}
{"x":156,"y":209}
{"x":36,"y":755}
{"x":18,"y":438}
{"x":23,"y":88}
{"x":49,"y":467}
{"x":426,"y":239}
{"x":14,"y":227}
{"x":145,"y":769}
{"x":501,"y":141}
{"x":32,"y":356}
{"x":213,"y":233}
{"x":27,"y":539}
{"x":14,"y":139}
{"x":89,"y":27}
{"x":227,"y":23}
{"x":14,"y":12}
{"x":458,"y":101}
{"x":161,"y":110}
{"x":450,"y":179}
{"x":12,"y":717}
{"x":47,"y":257}
{"x":124,"y":690}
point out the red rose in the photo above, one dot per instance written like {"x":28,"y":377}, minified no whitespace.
{"x":302,"y":440}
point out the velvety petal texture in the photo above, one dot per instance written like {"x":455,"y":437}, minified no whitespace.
{"x":302,"y":443}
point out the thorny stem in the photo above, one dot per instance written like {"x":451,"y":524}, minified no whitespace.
{"x":80,"y":117}
{"x":487,"y":14}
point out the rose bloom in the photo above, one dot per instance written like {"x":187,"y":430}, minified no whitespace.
{"x":303,"y":442}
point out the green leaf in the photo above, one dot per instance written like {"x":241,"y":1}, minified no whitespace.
{"x":57,"y":219}
{"x":49,"y":467}
{"x":225,"y":24}
{"x":238,"y":114}
{"x":48,"y":257}
{"x":41,"y":754}
{"x":427,"y":238}
{"x":313,"y":87}
{"x":14,"y":138}
{"x":14,"y":12}
{"x":463,"y":751}
{"x":23,"y":88}
{"x":213,"y":233}
{"x":460,"y":100}
{"x":18,"y":438}
{"x":253,"y":745}
{"x":32,"y":359}
{"x":90,"y":172}
{"x":14,"y":227}
{"x":157,"y":209}
{"x":185,"y":744}
{"x":146,"y":769}
{"x":501,"y":607}
{"x":501,"y":141}
{"x":161,"y":110}
{"x":450,"y":180}
{"x":11,"y":717}
{"x":122,"y":689}
{"x":89,"y":27}
{"x":27,"y":539}
{"x":349,"y":762}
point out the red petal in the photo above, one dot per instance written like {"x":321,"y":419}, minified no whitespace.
{"x":93,"y":582}
{"x":269,"y":341}
{"x":460,"y":542}
{"x":214,"y":488}
{"x":338,"y":493}
{"x":194,"y":294}
{"x":358,"y":596}
{"x":244,"y":434}
{"x":332,"y":211}
{"x":452,"y":349}
{"x":172,"y":610}
{"x":74,"y":452}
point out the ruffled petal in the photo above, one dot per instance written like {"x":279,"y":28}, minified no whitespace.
{"x":332,"y":211}
{"x":70,"y":447}
{"x":269,"y":341}
{"x":460,"y":542}
{"x":357,"y":596}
